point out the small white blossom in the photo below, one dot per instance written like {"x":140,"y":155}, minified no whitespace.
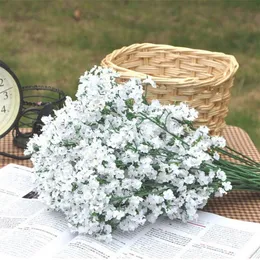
{"x":149,"y":80}
{"x":220,"y":192}
{"x":227,"y":185}
{"x":216,"y":156}
{"x":221,"y":175}
{"x":168,"y":195}
{"x":218,"y":141}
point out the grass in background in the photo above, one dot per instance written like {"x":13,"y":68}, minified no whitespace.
{"x":45,"y":45}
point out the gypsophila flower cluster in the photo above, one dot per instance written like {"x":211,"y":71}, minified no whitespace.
{"x":111,"y":160}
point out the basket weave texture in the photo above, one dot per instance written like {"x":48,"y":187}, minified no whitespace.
{"x":201,"y":78}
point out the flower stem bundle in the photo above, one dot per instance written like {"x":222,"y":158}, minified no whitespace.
{"x":110,"y":160}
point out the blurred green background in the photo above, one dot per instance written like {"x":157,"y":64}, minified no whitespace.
{"x":54,"y":42}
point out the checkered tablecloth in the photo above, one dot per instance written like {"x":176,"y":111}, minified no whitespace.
{"x":237,"y":204}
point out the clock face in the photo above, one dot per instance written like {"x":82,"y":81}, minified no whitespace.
{"x":10,"y":99}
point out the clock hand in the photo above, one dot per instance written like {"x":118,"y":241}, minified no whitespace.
{"x":5,"y":90}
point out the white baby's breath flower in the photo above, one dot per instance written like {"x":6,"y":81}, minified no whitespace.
{"x":106,"y":160}
{"x":149,"y":80}
{"x":189,"y":179}
{"x":168,"y":195}
{"x":220,"y":192}
{"x":227,"y":186}
{"x":218,"y":141}
{"x":216,"y":156}
{"x":221,"y":175}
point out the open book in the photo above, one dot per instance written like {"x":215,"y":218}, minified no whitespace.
{"x":29,"y":230}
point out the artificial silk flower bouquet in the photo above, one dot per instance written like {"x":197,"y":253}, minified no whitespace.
{"x":110,"y":160}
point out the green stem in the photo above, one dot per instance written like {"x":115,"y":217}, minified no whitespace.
{"x":234,"y":151}
{"x":224,"y":152}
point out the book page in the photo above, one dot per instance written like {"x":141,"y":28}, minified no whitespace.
{"x":40,"y":235}
{"x":15,"y":181}
{"x":19,"y":211}
{"x":85,"y":246}
{"x":229,"y":236}
{"x":211,"y":236}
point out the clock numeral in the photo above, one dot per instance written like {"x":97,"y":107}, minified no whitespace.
{"x":1,"y":82}
{"x":3,"y":109}
{"x":5,"y":95}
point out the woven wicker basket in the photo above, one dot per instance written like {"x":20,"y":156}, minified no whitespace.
{"x":201,"y":78}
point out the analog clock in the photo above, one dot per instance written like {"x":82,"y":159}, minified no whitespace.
{"x":10,"y":99}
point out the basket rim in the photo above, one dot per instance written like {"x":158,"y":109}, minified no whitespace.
{"x":180,"y":82}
